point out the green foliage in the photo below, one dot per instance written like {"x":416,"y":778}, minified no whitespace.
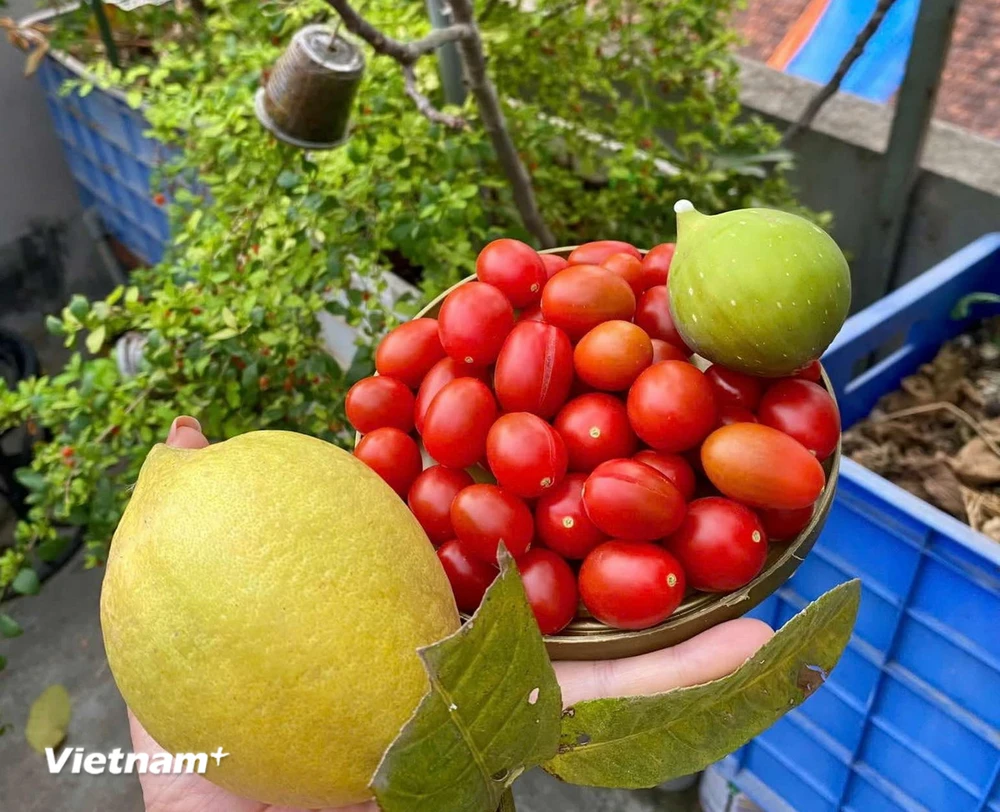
{"x":266,"y":238}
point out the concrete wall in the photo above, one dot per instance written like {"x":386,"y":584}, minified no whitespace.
{"x":839,"y":164}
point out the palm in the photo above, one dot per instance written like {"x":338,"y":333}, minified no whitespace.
{"x":708,"y":656}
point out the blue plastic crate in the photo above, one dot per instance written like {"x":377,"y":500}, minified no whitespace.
{"x":110,"y":157}
{"x":910,"y":718}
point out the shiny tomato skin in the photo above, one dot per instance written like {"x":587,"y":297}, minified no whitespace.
{"x":735,"y":414}
{"x":611,"y":356}
{"x":550,"y":586}
{"x":674,"y":467}
{"x":379,"y":401}
{"x":469,"y":577}
{"x":473,"y":323}
{"x":457,"y":422}
{"x":534,"y":370}
{"x":656,"y":264}
{"x":628,"y":268}
{"x":631,"y":584}
{"x":652,"y":314}
{"x":594,"y":253}
{"x":430,"y":497}
{"x":671,"y":406}
{"x":721,"y":545}
{"x":734,"y":388}
{"x":630,"y":500}
{"x":444,"y":371}
{"x":532,"y":313}
{"x":665,"y":351}
{"x":805,"y":411}
{"x":514,"y":268}
{"x":561,"y":522}
{"x":761,"y":467}
{"x":409,"y":351}
{"x":595,"y":428}
{"x":783,"y":525}
{"x":553,"y":264}
{"x":485,"y":515}
{"x":813,"y":371}
{"x":526,"y":455}
{"x":581,"y":297}
{"x":393,"y":455}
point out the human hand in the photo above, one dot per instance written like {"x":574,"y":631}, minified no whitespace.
{"x":710,"y":655}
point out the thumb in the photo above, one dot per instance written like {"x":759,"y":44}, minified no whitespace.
{"x":185,"y":432}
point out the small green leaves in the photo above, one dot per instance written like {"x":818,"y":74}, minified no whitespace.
{"x":95,"y":339}
{"x":636,"y":742}
{"x":492,"y":711}
{"x":9,"y":627}
{"x":965,"y":304}
{"x":48,"y":719}
{"x":26,"y":582}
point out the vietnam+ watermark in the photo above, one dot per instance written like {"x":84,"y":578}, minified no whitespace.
{"x":76,"y":760}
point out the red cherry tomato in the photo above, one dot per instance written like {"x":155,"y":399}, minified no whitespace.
{"x":665,"y":351}
{"x":656,"y":264}
{"x":631,"y":584}
{"x":379,"y":401}
{"x":594,"y":253}
{"x":393,"y":455}
{"x":805,"y":411}
{"x":469,"y":577}
{"x":514,"y":268}
{"x":628,"y":268}
{"x":612,"y":355}
{"x":721,"y":545}
{"x":475,"y":319}
{"x":652,"y":314}
{"x":595,"y":429}
{"x":782,"y":525}
{"x":430,"y":497}
{"x":561,"y":522}
{"x":734,"y":388}
{"x":525,"y":454}
{"x":550,"y":586}
{"x":553,"y":264}
{"x":581,"y":297}
{"x":534,"y":371}
{"x":485,"y":515}
{"x":409,"y":351}
{"x":671,"y":406}
{"x":761,"y":467}
{"x":674,"y":467}
{"x":735,"y":414}
{"x":813,"y":371}
{"x":631,"y":500}
{"x":457,"y":422}
{"x":531,"y":313}
{"x":444,"y":371}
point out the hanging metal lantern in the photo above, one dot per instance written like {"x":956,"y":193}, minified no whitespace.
{"x":309,"y":94}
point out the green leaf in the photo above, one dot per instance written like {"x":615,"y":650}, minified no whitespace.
{"x":26,"y":582}
{"x":134,"y":99}
{"x":95,"y":340}
{"x":637,"y":742}
{"x":964,"y":305}
{"x":224,"y":333}
{"x":32,"y":480}
{"x":287,"y":179}
{"x":54,"y":325}
{"x":9,"y":627}
{"x":48,"y":719}
{"x":229,"y":319}
{"x":493,"y":709}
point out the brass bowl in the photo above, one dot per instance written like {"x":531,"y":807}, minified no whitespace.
{"x":589,"y":639}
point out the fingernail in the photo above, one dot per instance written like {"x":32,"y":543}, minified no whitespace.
{"x":182,"y":422}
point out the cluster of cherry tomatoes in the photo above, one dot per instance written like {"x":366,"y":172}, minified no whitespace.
{"x":565,"y":383}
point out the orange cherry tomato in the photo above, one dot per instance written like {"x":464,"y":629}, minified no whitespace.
{"x":611,"y":356}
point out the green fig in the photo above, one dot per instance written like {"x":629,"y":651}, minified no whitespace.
{"x":760,"y":291}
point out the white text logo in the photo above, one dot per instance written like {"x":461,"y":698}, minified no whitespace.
{"x":118,"y":762}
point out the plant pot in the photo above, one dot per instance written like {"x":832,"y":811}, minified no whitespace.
{"x":588,"y":639}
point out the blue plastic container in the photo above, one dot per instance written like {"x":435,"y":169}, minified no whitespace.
{"x":110,"y":157}
{"x":910,"y":718}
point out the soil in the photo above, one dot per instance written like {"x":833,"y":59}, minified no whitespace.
{"x":938,"y":435}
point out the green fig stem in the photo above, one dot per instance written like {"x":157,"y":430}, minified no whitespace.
{"x":688,"y":218}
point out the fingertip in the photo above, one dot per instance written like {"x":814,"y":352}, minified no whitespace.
{"x":185,"y":432}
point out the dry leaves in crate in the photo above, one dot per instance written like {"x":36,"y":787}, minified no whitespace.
{"x":938,"y":435}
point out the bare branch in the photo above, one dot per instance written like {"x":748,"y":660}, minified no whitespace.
{"x":405,"y":53}
{"x":831,"y":87}
{"x":424,"y":105}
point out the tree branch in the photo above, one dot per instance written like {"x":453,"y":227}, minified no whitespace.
{"x":424,"y":105}
{"x":831,"y":87}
